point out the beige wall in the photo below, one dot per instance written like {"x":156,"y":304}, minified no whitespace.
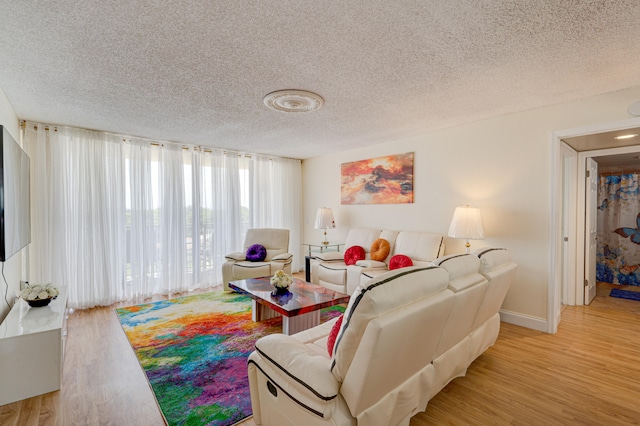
{"x":502,"y":165}
{"x":13,"y":266}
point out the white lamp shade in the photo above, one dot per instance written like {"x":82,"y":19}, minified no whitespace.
{"x":467,"y":223}
{"x":324,"y":218}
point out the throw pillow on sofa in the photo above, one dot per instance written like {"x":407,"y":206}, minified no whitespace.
{"x":380,"y":249}
{"x":256,"y":253}
{"x":333,"y":335}
{"x":353,"y":254}
{"x":400,"y":261}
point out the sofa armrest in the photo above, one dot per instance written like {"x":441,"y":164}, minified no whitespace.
{"x":282,"y":257}
{"x":371,"y":264}
{"x":239,"y":256}
{"x":329,"y":256}
{"x":296,"y":367}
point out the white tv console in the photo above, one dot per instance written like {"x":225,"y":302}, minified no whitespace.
{"x":32,"y":349}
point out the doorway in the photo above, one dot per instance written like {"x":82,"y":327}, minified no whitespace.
{"x":570,"y":152}
{"x":618,"y":206}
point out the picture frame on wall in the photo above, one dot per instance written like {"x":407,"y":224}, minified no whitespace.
{"x":382,"y":180}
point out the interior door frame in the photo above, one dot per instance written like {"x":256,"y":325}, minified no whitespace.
{"x":572,"y":262}
{"x":567,"y":294}
{"x":590,"y":228}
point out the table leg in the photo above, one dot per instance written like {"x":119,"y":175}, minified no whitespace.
{"x":260,"y":312}
{"x":292,"y":325}
{"x":307,"y":268}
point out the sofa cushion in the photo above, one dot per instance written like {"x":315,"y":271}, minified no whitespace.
{"x":353,"y":254}
{"x":380,"y":249}
{"x":236,"y":256}
{"x":331,"y":341}
{"x":497,"y":266}
{"x":492,"y":258}
{"x":256,"y":253}
{"x":333,"y":273}
{"x":400,"y":261}
{"x":275,"y":241}
{"x":389,"y":291}
{"x":464,"y":270}
{"x":246,"y":269}
{"x":422,"y":246}
{"x":362,"y":237}
{"x":371,"y":264}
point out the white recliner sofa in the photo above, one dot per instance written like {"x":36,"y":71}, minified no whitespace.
{"x":330,"y":270}
{"x":275,"y":241}
{"x":404,"y":335}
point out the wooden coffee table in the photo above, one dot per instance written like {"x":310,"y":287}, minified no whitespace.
{"x":300,"y":307}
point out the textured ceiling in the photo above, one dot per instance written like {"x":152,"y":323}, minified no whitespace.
{"x":196,"y":71}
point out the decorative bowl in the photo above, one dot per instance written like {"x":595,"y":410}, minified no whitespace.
{"x":280,"y":290}
{"x":37,"y":303}
{"x":281,"y":298}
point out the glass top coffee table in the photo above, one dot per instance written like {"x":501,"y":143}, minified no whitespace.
{"x":299,"y":307}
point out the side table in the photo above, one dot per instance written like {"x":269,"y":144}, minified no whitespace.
{"x":316,"y":248}
{"x":32,"y":349}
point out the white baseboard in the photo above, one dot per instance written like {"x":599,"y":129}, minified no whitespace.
{"x":535,"y":323}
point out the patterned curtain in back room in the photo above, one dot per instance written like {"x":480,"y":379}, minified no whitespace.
{"x":618,"y":248}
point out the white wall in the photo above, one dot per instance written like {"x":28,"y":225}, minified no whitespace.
{"x":502,"y":165}
{"x":13,"y":266}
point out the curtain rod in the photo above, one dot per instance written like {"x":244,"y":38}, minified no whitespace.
{"x":199,"y":148}
{"x":627,"y":171}
{"x":23,"y":125}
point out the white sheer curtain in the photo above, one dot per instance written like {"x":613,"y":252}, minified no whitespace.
{"x":276,"y":198}
{"x":38,"y":145}
{"x":221,"y":218}
{"x":77,"y":208}
{"x":173,"y":221}
{"x":157,"y":227}
{"x":143,"y":239}
{"x":121,"y":219}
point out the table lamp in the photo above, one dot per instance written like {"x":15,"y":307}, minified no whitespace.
{"x":324,"y":220}
{"x":467,"y":224}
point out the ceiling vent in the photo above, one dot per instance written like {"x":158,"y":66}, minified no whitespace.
{"x":293,"y":101}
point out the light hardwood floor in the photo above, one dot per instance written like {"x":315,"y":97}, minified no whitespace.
{"x":586,"y":374}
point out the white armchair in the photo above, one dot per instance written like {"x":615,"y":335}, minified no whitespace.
{"x":276,"y":242}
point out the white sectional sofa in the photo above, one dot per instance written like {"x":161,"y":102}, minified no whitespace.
{"x":330,"y":270}
{"x":404,"y":335}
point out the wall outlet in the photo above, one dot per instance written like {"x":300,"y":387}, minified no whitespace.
{"x":23,"y":284}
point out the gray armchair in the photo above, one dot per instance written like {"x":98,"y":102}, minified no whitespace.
{"x":276,"y":241}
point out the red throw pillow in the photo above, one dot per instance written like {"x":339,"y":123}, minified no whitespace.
{"x":353,"y":254}
{"x":400,"y":261}
{"x":331,"y":341}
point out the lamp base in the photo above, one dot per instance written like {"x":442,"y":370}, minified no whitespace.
{"x":325,"y":241}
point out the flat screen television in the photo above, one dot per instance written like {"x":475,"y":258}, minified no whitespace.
{"x":15,"y":205}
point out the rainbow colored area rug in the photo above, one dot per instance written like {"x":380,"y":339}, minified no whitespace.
{"x":194,"y":351}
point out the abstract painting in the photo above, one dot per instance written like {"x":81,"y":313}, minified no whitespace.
{"x":382,"y":180}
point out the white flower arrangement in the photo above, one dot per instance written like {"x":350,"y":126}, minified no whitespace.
{"x":39,"y":292}
{"x":280,"y":280}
